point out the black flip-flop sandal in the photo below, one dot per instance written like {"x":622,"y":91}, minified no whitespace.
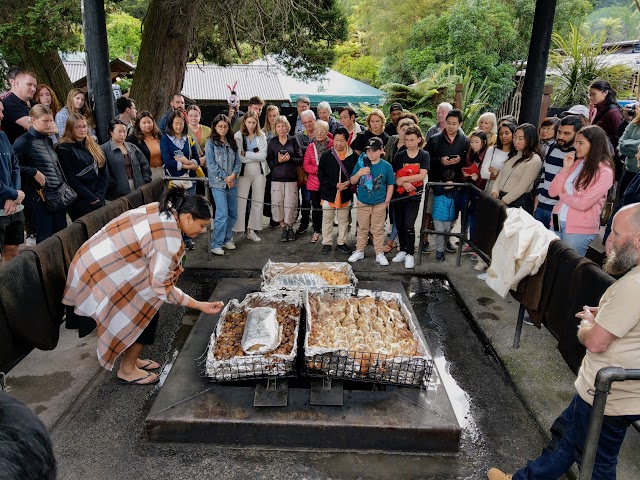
{"x":138,"y":380}
{"x":147,"y":368}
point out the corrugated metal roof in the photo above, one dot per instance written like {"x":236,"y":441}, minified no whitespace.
{"x":76,"y":69}
{"x":209,"y":82}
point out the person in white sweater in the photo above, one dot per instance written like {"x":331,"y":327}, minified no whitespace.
{"x":496,"y":155}
{"x":252,"y":143}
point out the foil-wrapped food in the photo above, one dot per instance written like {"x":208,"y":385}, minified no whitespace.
{"x":371,"y":336}
{"x":308,"y":275}
{"x":270,"y":347}
{"x":262,"y":333}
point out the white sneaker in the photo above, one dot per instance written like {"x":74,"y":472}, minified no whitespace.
{"x":399,"y":257}
{"x":217,"y":251}
{"x":253,"y":237}
{"x":480,"y":266}
{"x":229,"y":245}
{"x":30,"y":241}
{"x":355,"y":256}
{"x":409,"y":262}
{"x":382,"y":260}
{"x":482,"y":276}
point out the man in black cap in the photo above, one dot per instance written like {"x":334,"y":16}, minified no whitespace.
{"x":394,"y":113}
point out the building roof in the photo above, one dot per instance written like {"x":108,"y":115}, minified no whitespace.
{"x":209,"y":83}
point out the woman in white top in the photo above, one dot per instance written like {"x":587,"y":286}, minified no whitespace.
{"x":253,"y":155}
{"x":497,"y":155}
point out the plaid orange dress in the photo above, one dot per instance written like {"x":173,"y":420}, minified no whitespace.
{"x":123,"y":274}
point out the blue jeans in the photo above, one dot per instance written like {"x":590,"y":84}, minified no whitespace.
{"x":226,"y":201}
{"x":543,"y":216}
{"x":567,"y":445}
{"x":578,"y":241}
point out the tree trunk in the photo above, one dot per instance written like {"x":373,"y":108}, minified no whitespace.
{"x":49,"y":69}
{"x":168,"y":31}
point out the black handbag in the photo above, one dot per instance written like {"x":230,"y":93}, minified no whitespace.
{"x":59,"y":199}
{"x":525,"y":201}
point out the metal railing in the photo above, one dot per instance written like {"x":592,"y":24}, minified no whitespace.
{"x":604,"y":378}
{"x":207,"y":191}
{"x":462,"y":236}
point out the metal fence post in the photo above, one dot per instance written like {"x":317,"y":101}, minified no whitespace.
{"x":604,"y":378}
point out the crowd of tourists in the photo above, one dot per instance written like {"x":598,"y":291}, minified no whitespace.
{"x":314,"y":169}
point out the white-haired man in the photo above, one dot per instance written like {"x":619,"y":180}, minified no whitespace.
{"x":611,"y":334}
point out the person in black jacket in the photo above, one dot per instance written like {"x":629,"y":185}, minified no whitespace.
{"x":284,"y":156}
{"x":335,"y":190}
{"x":40,"y":171}
{"x":84,"y":166}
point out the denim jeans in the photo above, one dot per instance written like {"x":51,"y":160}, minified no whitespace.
{"x":226,"y":201}
{"x":578,"y":241}
{"x":567,"y":445}
{"x":543,"y":216}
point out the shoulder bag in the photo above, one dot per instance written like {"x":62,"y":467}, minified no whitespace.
{"x":353,"y":188}
{"x":59,"y":199}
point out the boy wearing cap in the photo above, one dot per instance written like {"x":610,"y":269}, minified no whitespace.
{"x":375,"y":180}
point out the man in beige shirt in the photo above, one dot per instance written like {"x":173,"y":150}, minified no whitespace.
{"x":611,"y":334}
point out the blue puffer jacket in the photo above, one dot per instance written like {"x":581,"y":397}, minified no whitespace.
{"x":222,"y":161}
{"x":444,"y":204}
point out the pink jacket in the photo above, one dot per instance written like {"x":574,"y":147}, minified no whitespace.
{"x":310,"y":166}
{"x":585,"y":206}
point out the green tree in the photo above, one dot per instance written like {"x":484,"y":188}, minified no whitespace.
{"x":123,"y":33}
{"x":576,"y":62}
{"x":33,"y":31}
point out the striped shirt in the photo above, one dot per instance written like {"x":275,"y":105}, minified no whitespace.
{"x":552,"y":165}
{"x":122,"y":275}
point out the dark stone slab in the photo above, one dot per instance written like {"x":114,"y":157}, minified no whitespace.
{"x":189,"y":409}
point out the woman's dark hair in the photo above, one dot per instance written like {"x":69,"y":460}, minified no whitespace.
{"x":229,"y":136}
{"x":532,"y":143}
{"x":507,"y":119}
{"x":155,"y":133}
{"x":177,"y":200}
{"x":113,"y":123}
{"x":511,"y":126}
{"x":169,"y":128}
{"x":341,"y":131}
{"x":476,"y":156}
{"x":598,"y":153}
{"x":604,"y":86}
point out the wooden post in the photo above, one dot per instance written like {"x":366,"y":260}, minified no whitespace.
{"x":457,"y":99}
{"x":546,"y":102}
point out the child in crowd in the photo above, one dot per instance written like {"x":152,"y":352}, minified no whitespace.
{"x":375,"y":180}
{"x":478,"y":144}
{"x":444,"y":212}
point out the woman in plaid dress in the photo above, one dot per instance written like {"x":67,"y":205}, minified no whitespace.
{"x":123,"y":274}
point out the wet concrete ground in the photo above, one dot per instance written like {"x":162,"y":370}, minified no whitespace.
{"x":508,"y":397}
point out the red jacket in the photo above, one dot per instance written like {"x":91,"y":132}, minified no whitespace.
{"x":406,"y":172}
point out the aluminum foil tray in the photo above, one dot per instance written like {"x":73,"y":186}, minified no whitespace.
{"x":354,"y":364}
{"x":252,"y":366}
{"x":278,"y":276}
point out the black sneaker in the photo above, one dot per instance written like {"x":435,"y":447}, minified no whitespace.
{"x":451,"y":248}
{"x":302,"y":229}
{"x":285,"y":235}
{"x":426,"y":248}
{"x":273,"y":224}
{"x":344,"y":249}
{"x":326,"y":249}
{"x":291,"y":235}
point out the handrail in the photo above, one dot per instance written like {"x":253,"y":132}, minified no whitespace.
{"x":604,"y":378}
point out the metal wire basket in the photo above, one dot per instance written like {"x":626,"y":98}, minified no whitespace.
{"x":245,"y":367}
{"x":357,"y":365}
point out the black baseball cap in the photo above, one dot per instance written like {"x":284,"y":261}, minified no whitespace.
{"x":394,"y":107}
{"x":374,"y":143}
